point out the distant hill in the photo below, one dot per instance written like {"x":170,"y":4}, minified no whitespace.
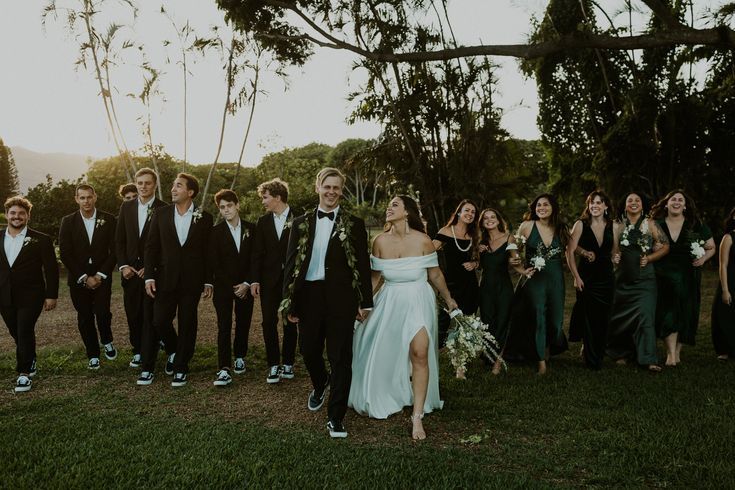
{"x":33,"y":166}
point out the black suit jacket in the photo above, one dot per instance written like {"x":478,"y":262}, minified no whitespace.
{"x":229,"y":266}
{"x":337,"y":272}
{"x":34,"y":275}
{"x":76,"y":251}
{"x":269,"y":252}
{"x":129,"y":247}
{"x":172,"y":265}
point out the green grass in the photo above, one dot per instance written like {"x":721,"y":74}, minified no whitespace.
{"x":619,"y":427}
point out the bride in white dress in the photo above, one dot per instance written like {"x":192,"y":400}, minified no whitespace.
{"x":394,"y":360}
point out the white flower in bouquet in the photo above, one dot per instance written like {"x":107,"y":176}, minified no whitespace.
{"x":538,"y":263}
{"x":625,"y":242}
{"x":696,"y":248}
{"x":468,"y":338}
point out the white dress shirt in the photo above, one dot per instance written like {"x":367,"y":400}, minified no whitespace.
{"x":235,"y":231}
{"x":183,"y":223}
{"x":280,"y":221}
{"x":322,"y":234}
{"x":14,"y":244}
{"x":143,"y":214}
{"x":89,"y":224}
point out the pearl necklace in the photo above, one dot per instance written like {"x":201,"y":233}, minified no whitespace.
{"x":457,"y":243}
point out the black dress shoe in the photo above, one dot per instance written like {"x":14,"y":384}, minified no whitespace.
{"x":336,"y":429}
{"x":316,"y":400}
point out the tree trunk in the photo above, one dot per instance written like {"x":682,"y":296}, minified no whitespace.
{"x":247,"y":129}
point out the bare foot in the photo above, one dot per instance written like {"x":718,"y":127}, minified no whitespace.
{"x":461,"y":373}
{"x":722,"y":357}
{"x":417,"y":432}
{"x":621,"y":362}
{"x":497,"y":367}
{"x":541,"y":368}
{"x":653,"y":368}
{"x":670,"y":360}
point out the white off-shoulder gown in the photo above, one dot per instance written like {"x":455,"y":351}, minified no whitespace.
{"x":381,"y":367}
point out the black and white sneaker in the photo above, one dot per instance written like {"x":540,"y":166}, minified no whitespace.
{"x":145,"y":378}
{"x":23,"y":384}
{"x":93,"y":364}
{"x":287,"y":371}
{"x":179,"y":380}
{"x":34,"y":369}
{"x":336,"y":429}
{"x":170,"y":364}
{"x":110,"y":352}
{"x":274,"y":375}
{"x":316,"y":400}
{"x":223,"y":378}
{"x":135,"y":361}
{"x":239,"y":365}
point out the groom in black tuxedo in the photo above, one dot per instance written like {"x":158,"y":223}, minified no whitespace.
{"x":324,"y":297}
{"x":29,"y":283}
{"x":87,"y":249}
{"x":133,"y":224}
{"x":268,"y":261}
{"x":177,"y":272}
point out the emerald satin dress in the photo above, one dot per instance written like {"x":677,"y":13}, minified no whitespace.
{"x":591,"y":312}
{"x":723,"y":316}
{"x":496,"y":292}
{"x":632,"y":330}
{"x":538,"y":311}
{"x":679,"y":296}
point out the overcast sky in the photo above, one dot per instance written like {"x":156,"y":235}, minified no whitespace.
{"x":48,"y":106}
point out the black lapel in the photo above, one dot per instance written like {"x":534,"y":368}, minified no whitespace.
{"x":81,"y":229}
{"x":335,"y":228}
{"x":194,"y":222}
{"x":171,"y":221}
{"x":2,"y":249}
{"x":286,"y":231}
{"x":151,"y":208}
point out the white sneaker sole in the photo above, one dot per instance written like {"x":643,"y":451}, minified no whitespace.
{"x":144,"y":382}
{"x":22,"y":389}
{"x":287,"y":376}
{"x":93,"y":368}
{"x":272,"y":381}
{"x":239,"y":371}
{"x":221,"y":383}
{"x":178,"y":384}
{"x":110,"y":358}
{"x":337,"y":435}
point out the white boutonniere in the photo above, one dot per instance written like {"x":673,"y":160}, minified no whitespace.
{"x":196,"y":215}
{"x":149,"y":213}
{"x":288,"y":224}
{"x":100,"y":222}
{"x":28,"y":240}
{"x":246,"y":234}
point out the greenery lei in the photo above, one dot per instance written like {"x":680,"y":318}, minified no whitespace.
{"x":343,"y":227}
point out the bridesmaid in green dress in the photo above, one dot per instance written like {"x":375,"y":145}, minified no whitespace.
{"x":679,"y":273}
{"x":594,"y":279}
{"x":536,"y":326}
{"x":638,"y":242}
{"x":723,"y":311}
{"x":496,"y":287}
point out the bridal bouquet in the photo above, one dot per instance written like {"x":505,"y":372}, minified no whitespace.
{"x":468,"y":338}
{"x":696,"y":247}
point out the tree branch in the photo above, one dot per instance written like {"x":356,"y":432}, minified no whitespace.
{"x":663,"y":13}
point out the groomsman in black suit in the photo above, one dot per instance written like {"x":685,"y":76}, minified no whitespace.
{"x":177,"y":272}
{"x":29,"y":283}
{"x":229,"y":250}
{"x":133,"y":224}
{"x":87,"y":248}
{"x":319,"y":283}
{"x":268,"y":260}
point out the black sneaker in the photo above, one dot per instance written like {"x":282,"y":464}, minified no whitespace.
{"x":145,"y":378}
{"x":336,"y":429}
{"x":273,"y":375}
{"x":179,"y":380}
{"x":93,"y":364}
{"x":170,"y":364}
{"x":34,"y":369}
{"x":23,"y":384}
{"x":287,"y":371}
{"x":316,"y":400}
{"x":239,"y":365}
{"x":135,"y":361}
{"x":110,"y":352}
{"x":223,"y":378}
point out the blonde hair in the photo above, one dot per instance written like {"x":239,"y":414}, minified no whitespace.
{"x":329,"y":172}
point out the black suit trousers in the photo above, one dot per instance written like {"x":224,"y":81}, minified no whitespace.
{"x":93,"y":304}
{"x":182,"y":304}
{"x":223,"y":305}
{"x":134,"y":302}
{"x":270,"y":300}
{"x":21,"y":323}
{"x":319,"y":324}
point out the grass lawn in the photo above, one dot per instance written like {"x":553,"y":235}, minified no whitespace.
{"x":618,"y":427}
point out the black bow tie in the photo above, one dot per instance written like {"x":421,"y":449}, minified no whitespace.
{"x":321,"y":214}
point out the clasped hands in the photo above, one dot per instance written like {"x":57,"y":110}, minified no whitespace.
{"x":128,"y":272}
{"x":92,"y":282}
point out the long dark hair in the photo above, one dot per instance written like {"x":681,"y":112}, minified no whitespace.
{"x":415,"y":221}
{"x":691,"y":217}
{"x":730,"y":222}
{"x":609,"y":212}
{"x":560,"y":227}
{"x":472,"y":227}
{"x":645,"y":205}
{"x":483,"y":235}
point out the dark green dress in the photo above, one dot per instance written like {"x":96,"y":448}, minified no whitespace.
{"x":679,"y":282}
{"x":462,"y":284}
{"x":632,"y":330}
{"x":538,"y":311}
{"x":723,"y":316}
{"x":591,"y":312}
{"x":496,"y":292}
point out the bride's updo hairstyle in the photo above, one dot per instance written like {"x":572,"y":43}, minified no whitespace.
{"x":415,"y":222}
